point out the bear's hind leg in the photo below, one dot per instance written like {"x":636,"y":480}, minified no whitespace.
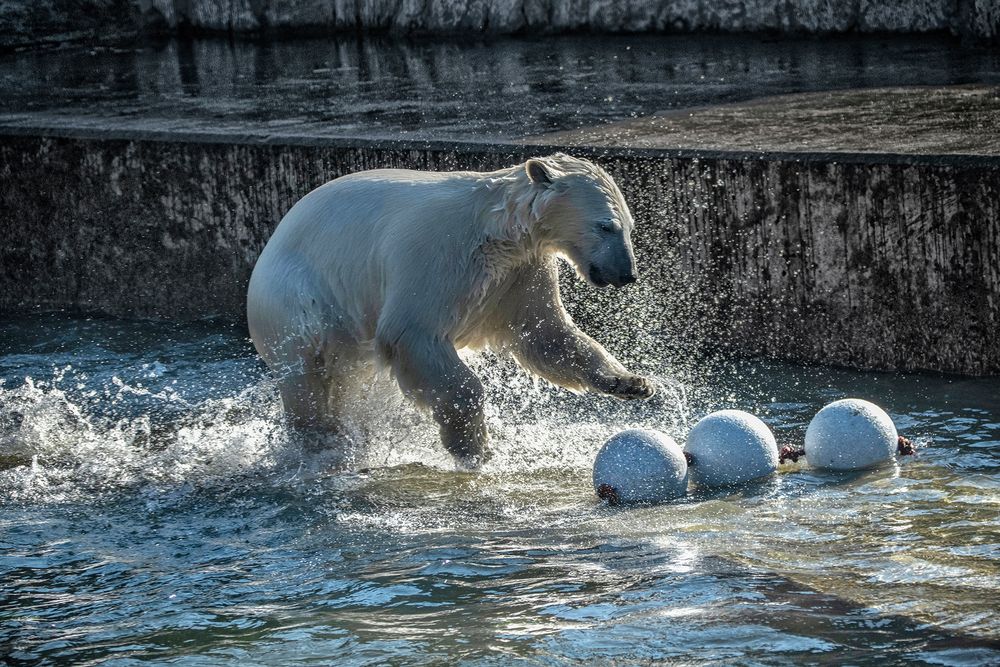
{"x":306,"y":401}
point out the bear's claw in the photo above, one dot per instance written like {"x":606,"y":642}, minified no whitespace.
{"x":473,"y":462}
{"x":632,"y":387}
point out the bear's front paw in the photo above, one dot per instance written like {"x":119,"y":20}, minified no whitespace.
{"x":473,"y":462}
{"x":631,"y":387}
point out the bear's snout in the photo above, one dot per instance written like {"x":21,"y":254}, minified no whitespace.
{"x":597,"y":277}
{"x":600,"y":279}
{"x":623,"y":280}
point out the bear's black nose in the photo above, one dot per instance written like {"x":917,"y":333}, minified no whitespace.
{"x":630,"y":278}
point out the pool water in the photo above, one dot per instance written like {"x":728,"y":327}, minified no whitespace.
{"x":480,"y":90}
{"x":153,"y":507}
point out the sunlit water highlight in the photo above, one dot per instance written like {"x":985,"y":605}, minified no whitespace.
{"x":154,"y":507}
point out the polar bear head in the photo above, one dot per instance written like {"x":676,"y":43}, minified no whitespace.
{"x":583,"y":217}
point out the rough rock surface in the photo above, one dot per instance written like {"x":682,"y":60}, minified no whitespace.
{"x":30,"y":21}
{"x":979,"y":19}
{"x":25,"y":21}
{"x":973,"y":17}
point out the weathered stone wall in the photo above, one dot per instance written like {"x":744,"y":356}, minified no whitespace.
{"x":891,"y":263}
{"x":26,"y":21}
{"x":973,"y":17}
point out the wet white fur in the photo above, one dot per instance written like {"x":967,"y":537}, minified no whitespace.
{"x":399,"y":269}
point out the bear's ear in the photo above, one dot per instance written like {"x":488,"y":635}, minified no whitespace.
{"x":537,"y":172}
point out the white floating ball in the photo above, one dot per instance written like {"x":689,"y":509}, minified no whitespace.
{"x":729,"y":448}
{"x":850,"y":434}
{"x":640,"y":466}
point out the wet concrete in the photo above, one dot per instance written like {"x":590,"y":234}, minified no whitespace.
{"x":962,"y":120}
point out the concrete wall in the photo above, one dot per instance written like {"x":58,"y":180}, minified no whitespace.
{"x":889,"y":262}
{"x":25,"y":21}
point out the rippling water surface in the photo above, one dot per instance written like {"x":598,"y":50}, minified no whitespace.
{"x":491,"y":90}
{"x":154,"y":507}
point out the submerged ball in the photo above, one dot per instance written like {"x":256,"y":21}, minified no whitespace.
{"x":640,"y":466}
{"x":731,"y":447}
{"x":850,"y":434}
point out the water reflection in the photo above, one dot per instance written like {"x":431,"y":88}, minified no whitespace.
{"x":463,"y":89}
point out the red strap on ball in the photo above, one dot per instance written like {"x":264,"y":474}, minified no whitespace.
{"x":608,"y":493}
{"x":904,"y":447}
{"x":788,"y":453}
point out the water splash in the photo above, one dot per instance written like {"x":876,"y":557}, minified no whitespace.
{"x":82,"y":437}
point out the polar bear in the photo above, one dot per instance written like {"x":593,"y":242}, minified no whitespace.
{"x":400,"y":269}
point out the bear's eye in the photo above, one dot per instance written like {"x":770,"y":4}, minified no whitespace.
{"x":610,"y":226}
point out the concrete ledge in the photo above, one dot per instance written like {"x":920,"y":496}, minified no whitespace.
{"x":585,"y":142}
{"x":914,"y":121}
{"x":868,"y":261}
